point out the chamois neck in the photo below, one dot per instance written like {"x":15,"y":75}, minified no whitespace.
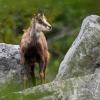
{"x":34,"y":32}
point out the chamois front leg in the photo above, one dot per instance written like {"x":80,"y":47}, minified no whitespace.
{"x":22,"y":58}
{"x":42,"y":72}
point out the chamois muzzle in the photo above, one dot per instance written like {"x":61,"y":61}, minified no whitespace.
{"x":49,"y":28}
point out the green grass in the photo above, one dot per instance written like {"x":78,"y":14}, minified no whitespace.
{"x":16,"y":15}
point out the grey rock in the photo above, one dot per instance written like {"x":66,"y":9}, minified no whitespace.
{"x":84,"y":55}
{"x":78,"y":77}
{"x":10,"y":67}
{"x":79,"y":88}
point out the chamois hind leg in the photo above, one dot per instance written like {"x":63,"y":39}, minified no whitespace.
{"x":25,"y":77}
{"x":32,"y":73}
{"x":29,"y":77}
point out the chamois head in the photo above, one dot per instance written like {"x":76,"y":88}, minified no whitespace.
{"x":40,"y":23}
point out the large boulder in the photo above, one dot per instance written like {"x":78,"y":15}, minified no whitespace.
{"x":84,"y":55}
{"x":78,"y":77}
{"x":10,"y":67}
{"x":9,"y":62}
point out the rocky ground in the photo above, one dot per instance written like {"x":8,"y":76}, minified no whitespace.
{"x":78,"y":77}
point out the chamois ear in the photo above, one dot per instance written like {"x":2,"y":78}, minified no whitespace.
{"x":34,"y":16}
{"x":40,"y":14}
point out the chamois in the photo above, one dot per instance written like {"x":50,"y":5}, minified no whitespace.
{"x":33,"y":46}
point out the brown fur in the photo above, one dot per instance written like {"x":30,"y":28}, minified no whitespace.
{"x":34,"y":50}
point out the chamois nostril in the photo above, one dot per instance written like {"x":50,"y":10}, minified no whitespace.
{"x":50,"y":27}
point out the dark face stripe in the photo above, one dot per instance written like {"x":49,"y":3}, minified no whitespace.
{"x":42,"y":23}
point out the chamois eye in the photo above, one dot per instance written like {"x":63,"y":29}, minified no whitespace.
{"x":40,"y":21}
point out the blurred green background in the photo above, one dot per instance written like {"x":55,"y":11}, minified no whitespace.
{"x":64,"y":15}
